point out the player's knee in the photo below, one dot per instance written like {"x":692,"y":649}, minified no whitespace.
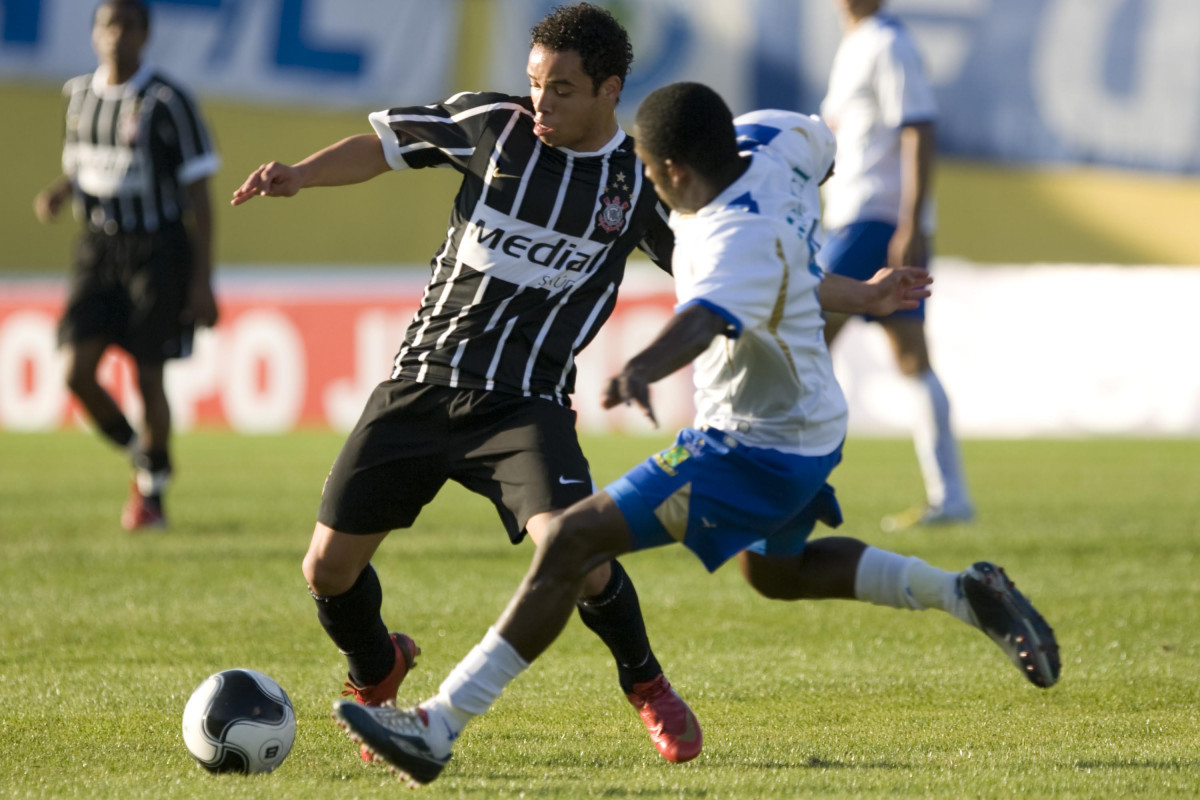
{"x":566,"y":555}
{"x":325,"y":577}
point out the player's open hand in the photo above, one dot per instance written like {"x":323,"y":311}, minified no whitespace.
{"x":897,"y":288}
{"x":629,"y":387}
{"x":269,"y":180}
{"x":50,"y":201}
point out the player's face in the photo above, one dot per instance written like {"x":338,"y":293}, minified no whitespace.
{"x":569,"y":111}
{"x":118,"y":35}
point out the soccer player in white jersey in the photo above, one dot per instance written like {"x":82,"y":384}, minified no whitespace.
{"x":750,"y":479}
{"x":878,"y":212}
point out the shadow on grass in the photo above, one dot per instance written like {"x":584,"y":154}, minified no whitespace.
{"x":811,"y":762}
{"x":1169,"y":764}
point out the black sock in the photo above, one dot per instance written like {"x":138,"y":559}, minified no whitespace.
{"x":153,"y":461}
{"x":616,"y":617}
{"x":118,"y":431}
{"x":353,"y":623}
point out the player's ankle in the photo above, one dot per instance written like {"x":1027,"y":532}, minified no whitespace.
{"x":446,"y":722}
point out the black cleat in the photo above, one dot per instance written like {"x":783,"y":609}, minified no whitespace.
{"x":1011,"y":621}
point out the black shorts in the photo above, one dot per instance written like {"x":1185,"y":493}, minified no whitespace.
{"x":519,"y":452}
{"x":129,"y":289}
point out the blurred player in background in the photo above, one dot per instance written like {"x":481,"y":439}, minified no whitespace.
{"x":878,"y":212}
{"x":552,"y":202}
{"x":136,"y":159}
{"x":750,"y":478}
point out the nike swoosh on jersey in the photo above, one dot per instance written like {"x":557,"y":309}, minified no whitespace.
{"x":564,"y":480}
{"x":497,"y":174}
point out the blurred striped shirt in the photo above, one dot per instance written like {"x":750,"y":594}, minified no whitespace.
{"x":131,"y":150}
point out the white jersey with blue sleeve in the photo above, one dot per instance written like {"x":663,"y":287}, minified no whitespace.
{"x":877,"y":85}
{"x":749,"y":256}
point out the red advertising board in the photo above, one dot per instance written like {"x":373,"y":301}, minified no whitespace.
{"x":295,"y":350}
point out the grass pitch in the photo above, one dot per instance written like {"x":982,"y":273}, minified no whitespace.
{"x":105,"y":635}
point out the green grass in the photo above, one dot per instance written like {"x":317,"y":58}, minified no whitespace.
{"x":104,"y":636}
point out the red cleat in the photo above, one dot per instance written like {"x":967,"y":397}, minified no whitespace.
{"x":141,"y":512}
{"x":672,"y":725}
{"x":384,"y":692}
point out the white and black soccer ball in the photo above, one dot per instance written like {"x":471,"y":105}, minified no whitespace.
{"x":239,"y":720}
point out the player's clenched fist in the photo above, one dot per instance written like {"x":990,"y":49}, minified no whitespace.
{"x":269,"y":180}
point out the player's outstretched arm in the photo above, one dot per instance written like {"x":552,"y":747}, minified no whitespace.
{"x":679,"y":342}
{"x":353,"y":160}
{"x":888,"y":290}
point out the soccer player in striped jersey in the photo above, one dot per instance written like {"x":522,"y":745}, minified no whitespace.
{"x":749,"y":480}
{"x":136,"y":159}
{"x":552,"y":201}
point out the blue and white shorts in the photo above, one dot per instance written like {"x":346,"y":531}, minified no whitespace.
{"x":719,"y":497}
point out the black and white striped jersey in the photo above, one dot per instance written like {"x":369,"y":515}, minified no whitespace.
{"x":130,"y":150}
{"x":535,"y":250}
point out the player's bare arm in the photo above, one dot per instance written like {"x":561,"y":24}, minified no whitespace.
{"x":201,"y":306}
{"x":352,"y":160}
{"x":682,"y":339}
{"x":917,"y":144}
{"x":890,"y":289}
{"x":49,"y":202}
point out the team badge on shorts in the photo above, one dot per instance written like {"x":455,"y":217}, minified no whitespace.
{"x":668,"y":460}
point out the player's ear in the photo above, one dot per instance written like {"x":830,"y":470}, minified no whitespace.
{"x":610,"y":89}
{"x":676,"y":172}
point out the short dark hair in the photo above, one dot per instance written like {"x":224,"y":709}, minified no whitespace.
{"x":603,"y":45}
{"x":138,"y":7}
{"x":690,"y":124}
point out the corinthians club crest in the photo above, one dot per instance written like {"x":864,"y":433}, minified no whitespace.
{"x":614,"y":205}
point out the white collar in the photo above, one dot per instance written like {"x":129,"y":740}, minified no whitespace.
{"x":102,"y":88}
{"x":611,"y":145}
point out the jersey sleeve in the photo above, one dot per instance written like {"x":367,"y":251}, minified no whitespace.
{"x":904,"y":93}
{"x":179,"y":126}
{"x":737,"y":271}
{"x":440,"y":134}
{"x":659,"y":241}
{"x":73,"y":93}
{"x":804,"y":141}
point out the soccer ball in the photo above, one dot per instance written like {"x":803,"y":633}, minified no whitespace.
{"x":239,"y":720}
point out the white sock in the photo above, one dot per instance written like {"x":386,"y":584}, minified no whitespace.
{"x":896,"y":581}
{"x":152,"y":483}
{"x":937,"y":449}
{"x":473,"y":685}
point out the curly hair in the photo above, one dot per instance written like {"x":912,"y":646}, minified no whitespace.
{"x":603,"y":45}
{"x":688,"y":123}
